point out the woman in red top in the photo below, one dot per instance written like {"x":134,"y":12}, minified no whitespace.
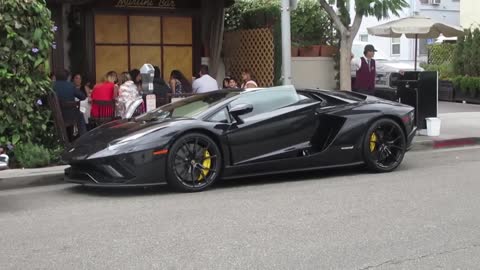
{"x":105,"y":91}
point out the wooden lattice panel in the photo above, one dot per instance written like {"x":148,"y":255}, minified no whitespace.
{"x":252,"y":50}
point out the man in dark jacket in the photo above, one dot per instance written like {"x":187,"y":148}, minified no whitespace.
{"x":160,"y":88}
{"x":366,"y":72}
{"x":67,"y":92}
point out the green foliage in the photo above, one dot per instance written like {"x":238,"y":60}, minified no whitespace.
{"x":244,"y":15}
{"x":458,"y":61}
{"x":467,"y":85}
{"x":445,"y":70}
{"x":468,"y":53}
{"x":32,"y":155}
{"x":366,"y":8}
{"x":310,"y":24}
{"x":380,"y":9}
{"x":26,"y":35}
{"x":475,"y":53}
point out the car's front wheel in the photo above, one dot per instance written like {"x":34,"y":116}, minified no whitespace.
{"x":384,"y":146}
{"x":194,"y":163}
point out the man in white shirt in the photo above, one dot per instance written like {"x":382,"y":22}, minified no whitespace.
{"x":205,"y":83}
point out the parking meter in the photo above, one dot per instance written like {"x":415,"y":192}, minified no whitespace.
{"x":147,"y":72}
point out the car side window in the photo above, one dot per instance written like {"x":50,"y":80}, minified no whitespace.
{"x":220,"y":116}
{"x":267,"y":100}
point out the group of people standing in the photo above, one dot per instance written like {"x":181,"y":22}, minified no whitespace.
{"x":247,"y":81}
{"x":126,"y":89}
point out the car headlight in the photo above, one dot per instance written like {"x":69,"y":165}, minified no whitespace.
{"x":125,"y":140}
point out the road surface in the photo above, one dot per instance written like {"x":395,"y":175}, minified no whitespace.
{"x":426,"y":215}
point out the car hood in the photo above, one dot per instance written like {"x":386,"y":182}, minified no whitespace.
{"x":117,"y":133}
{"x":387,"y":66}
{"x":390,"y":66}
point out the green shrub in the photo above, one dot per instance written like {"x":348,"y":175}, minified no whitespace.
{"x":26,"y":37}
{"x":445,"y":70}
{"x":32,"y":155}
{"x":467,"y":85}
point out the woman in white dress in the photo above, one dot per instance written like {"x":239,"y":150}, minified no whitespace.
{"x":128,"y":97}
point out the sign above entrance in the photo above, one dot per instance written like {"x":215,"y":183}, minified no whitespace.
{"x":164,"y":4}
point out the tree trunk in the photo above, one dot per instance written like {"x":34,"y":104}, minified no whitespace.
{"x":345,"y":62}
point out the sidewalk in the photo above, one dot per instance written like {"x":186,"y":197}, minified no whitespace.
{"x":460,"y":126}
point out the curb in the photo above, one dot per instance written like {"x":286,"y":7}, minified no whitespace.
{"x":34,"y":180}
{"x":448,"y":143}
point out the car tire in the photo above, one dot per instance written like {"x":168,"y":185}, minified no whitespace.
{"x":384,"y":146}
{"x":194,"y":163}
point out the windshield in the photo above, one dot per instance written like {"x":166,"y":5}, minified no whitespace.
{"x":189,"y":107}
{"x":357,"y":50}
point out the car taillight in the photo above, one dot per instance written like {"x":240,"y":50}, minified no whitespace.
{"x":409,"y":118}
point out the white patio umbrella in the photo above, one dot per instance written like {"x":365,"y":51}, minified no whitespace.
{"x":415,"y":27}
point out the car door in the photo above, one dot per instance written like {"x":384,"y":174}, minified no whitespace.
{"x":279,"y":127}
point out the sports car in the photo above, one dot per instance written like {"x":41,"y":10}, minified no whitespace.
{"x":192,"y":143}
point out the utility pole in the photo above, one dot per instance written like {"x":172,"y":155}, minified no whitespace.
{"x":286,"y":42}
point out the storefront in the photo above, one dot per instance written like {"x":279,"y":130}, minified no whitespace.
{"x":95,"y":37}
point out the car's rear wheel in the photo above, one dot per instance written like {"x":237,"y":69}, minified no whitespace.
{"x":384,"y":146}
{"x":194,"y":163}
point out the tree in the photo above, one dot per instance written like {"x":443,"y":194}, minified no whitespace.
{"x":467,"y":53}
{"x":475,"y":52}
{"x":458,"y":63}
{"x":347,"y":31}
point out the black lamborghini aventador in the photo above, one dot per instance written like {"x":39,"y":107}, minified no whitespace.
{"x":193,"y":142}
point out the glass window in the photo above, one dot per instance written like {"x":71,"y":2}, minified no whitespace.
{"x":422,"y":46}
{"x":395,"y":46}
{"x":189,"y":107}
{"x":268,"y":100}
{"x":364,"y":38}
{"x":221,"y":117}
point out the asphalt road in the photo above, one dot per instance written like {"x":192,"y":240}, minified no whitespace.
{"x":426,"y":215}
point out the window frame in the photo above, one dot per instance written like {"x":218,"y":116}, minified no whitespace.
{"x":363,"y":35}
{"x":399,"y":43}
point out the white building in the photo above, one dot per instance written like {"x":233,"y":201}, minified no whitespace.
{"x":447,"y":11}
{"x":470,"y":17}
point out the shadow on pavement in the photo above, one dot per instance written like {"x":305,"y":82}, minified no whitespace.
{"x":316,"y":175}
{"x":222,"y":184}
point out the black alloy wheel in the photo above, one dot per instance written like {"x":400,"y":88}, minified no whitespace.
{"x":194,"y":163}
{"x":384,"y":146}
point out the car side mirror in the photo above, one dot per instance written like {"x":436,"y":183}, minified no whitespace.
{"x":240,"y":109}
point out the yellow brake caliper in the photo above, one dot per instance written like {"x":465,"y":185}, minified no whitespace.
{"x":373,"y":140}
{"x":207,"y":163}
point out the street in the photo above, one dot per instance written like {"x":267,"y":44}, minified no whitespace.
{"x":425,"y":215}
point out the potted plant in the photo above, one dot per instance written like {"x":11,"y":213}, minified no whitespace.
{"x":310,"y":27}
{"x":328,"y":51}
{"x":295,"y":49}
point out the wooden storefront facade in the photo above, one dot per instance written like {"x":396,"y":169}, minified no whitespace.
{"x":122,"y":35}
